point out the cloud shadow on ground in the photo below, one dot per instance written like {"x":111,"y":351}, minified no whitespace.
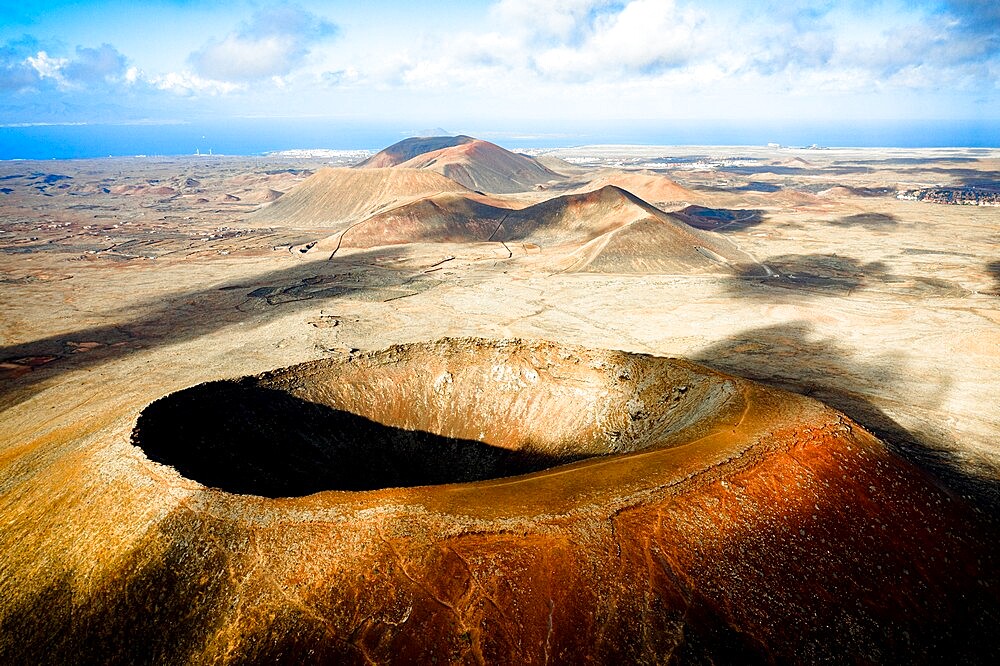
{"x":807,"y":275}
{"x":867,"y":221}
{"x":188,"y":316}
{"x":793,"y":356}
{"x":720,"y":219}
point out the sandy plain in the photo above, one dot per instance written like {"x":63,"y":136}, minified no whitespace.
{"x":124,"y":280}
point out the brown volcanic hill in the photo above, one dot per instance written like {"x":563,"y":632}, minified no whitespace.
{"x":655,"y":246}
{"x":573,"y":219}
{"x":648,"y":186}
{"x":619,"y":232}
{"x":479,"y":165}
{"x":566,"y":220}
{"x":486,"y":501}
{"x":339,"y":197}
{"x":443,"y":218}
{"x":560,"y":166}
{"x":407,"y":149}
{"x":646,"y":240}
{"x":792,"y":162}
{"x":484,"y":166}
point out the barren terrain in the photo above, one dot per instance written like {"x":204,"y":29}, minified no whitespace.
{"x":127,"y":280}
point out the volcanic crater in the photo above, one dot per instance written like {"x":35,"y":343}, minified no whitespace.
{"x":557,"y":480}
{"x":428,"y":414}
{"x":394,"y":505}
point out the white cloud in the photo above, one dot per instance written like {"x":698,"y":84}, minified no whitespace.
{"x":48,"y":67}
{"x":645,"y":38}
{"x":241,"y":59}
{"x":186,"y":83}
{"x":559,"y":21}
{"x":560,"y":58}
{"x":90,"y":67}
{"x":274,"y":42}
{"x":95,"y":65}
{"x":348,"y":76}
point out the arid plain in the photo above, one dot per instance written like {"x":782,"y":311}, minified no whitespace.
{"x":815,"y":271}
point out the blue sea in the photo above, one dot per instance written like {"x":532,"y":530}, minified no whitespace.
{"x":246,"y":136}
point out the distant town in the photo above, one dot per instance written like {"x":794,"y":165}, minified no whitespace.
{"x":964,"y":196}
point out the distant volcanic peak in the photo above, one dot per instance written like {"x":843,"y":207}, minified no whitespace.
{"x":793,"y":162}
{"x":449,"y":205}
{"x":473,"y":149}
{"x":434,"y":131}
{"x":407,"y":149}
{"x":479,"y":148}
{"x":574,"y":219}
{"x":476,"y":164}
{"x":650,"y":187}
{"x":484,"y":166}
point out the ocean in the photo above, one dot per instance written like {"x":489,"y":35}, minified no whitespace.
{"x":254,"y":136}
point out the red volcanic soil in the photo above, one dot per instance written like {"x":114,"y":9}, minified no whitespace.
{"x":500,"y":501}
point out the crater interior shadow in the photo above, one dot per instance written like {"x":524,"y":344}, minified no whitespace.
{"x":246,"y":439}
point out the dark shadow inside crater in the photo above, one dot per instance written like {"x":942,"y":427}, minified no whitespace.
{"x":251,"y":440}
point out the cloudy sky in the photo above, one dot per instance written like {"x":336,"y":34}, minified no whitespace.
{"x":445,"y":62}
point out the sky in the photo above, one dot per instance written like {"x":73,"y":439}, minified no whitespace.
{"x":510,"y":62}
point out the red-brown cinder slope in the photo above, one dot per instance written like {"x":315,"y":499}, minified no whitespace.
{"x":710,"y":520}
